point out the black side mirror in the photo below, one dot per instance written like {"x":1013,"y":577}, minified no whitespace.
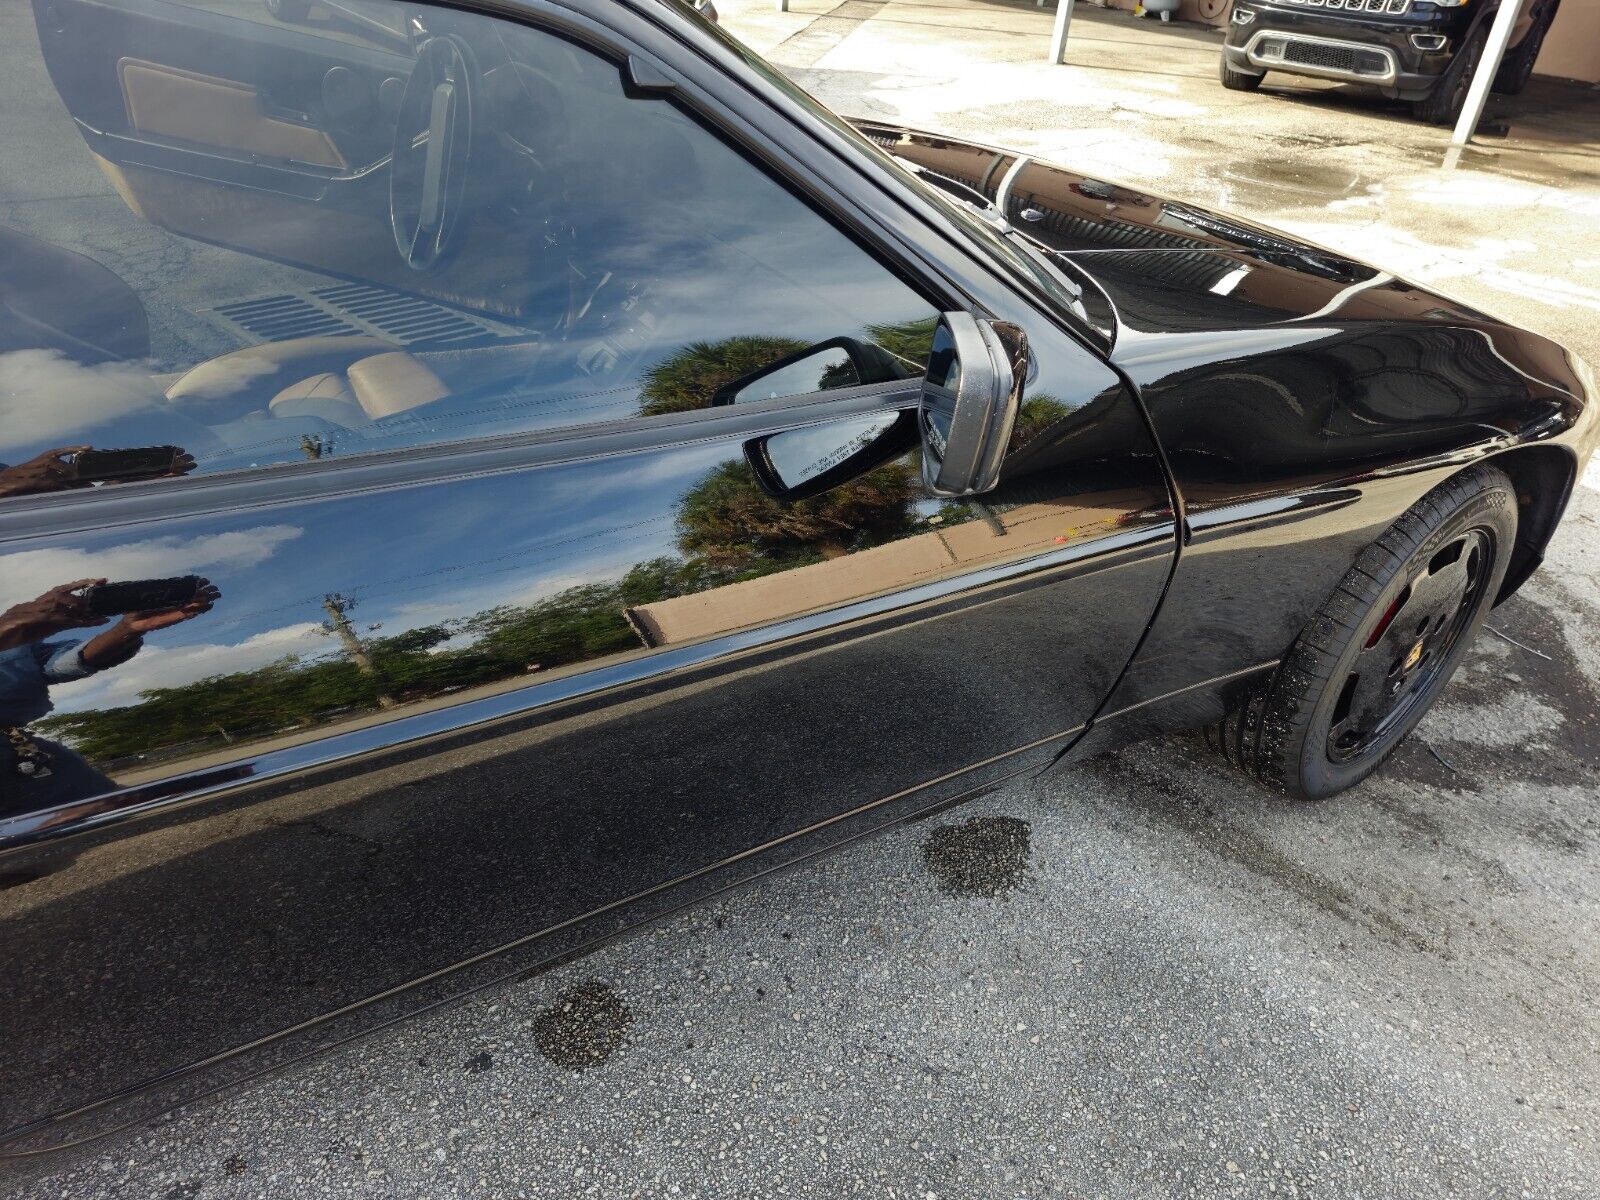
{"x":797,"y":463}
{"x":839,"y":362}
{"x":970,"y":399}
{"x":807,"y":461}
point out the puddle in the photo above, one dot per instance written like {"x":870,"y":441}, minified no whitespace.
{"x":1300,"y":176}
{"x":1520,"y":708}
{"x":583,"y":1027}
{"x":987,"y":856}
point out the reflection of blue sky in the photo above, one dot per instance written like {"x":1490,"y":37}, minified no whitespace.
{"x":409,"y":557}
{"x":712,"y":246}
{"x":720,"y":247}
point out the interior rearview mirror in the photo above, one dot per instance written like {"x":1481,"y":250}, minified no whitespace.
{"x":970,"y":398}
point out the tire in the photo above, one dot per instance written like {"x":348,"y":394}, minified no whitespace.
{"x":1394,"y":631}
{"x":1237,"y":81}
{"x":1443,"y":105}
{"x":1516,"y":68}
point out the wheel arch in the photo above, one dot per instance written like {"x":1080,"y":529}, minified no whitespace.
{"x":1543,"y":476}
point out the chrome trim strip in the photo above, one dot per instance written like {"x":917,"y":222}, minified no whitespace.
{"x":1295,"y":68}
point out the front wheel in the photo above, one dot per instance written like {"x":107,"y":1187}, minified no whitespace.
{"x":1443,"y":105}
{"x":1384,"y":644}
{"x":1238,"y":81}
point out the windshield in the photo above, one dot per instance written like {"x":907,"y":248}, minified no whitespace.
{"x":981,"y":223}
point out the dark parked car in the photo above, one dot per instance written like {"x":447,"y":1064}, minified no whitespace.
{"x":1424,"y":51}
{"x":478,"y":481}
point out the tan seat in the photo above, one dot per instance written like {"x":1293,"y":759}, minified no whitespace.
{"x":391,"y":383}
{"x":246,"y":380}
{"x":328,"y":396}
{"x":348,"y":381}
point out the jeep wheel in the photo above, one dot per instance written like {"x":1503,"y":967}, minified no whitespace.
{"x":1238,"y":81}
{"x":1443,"y":105}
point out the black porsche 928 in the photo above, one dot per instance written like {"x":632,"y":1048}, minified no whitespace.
{"x":477,"y":477}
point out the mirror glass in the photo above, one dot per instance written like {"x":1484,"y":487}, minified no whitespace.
{"x":798,"y":456}
{"x":944,"y":367}
{"x":940,"y":385}
{"x":829,"y":367}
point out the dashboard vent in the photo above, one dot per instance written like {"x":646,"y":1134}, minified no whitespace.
{"x":346,"y":309}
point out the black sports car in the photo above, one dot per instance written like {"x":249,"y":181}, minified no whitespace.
{"x":479,"y":477}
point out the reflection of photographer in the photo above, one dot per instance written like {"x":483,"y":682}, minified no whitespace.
{"x":68,"y":467}
{"x":34,"y":771}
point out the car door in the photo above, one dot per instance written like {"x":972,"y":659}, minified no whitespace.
{"x":437,"y":656}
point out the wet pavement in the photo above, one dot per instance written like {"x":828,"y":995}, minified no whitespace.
{"x":1145,"y":977}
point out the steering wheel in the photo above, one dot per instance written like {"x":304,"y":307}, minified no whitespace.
{"x":432,"y":149}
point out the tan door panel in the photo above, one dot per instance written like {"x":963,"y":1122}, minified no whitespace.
{"x":171,"y":103}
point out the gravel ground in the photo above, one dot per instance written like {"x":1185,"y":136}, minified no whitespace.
{"x":1145,"y":977}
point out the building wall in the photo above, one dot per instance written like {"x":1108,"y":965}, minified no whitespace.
{"x":1572,"y":48}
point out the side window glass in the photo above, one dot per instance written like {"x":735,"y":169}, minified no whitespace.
{"x":267,"y":234}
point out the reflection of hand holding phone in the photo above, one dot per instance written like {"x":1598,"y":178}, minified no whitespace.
{"x":145,"y":606}
{"x":47,"y":472}
{"x":140,"y":595}
{"x":68,"y":467}
{"x":58,"y":610}
{"x":125,"y":466}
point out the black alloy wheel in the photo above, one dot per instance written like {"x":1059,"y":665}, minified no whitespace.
{"x":1384,"y":644}
{"x":1402,"y":655}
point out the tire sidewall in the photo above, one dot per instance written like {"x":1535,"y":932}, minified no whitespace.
{"x":1492,"y":509}
{"x":1466,"y":65}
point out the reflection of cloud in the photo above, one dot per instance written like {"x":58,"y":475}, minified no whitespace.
{"x":29,"y":573}
{"x":159,"y":667}
{"x":46,"y":397}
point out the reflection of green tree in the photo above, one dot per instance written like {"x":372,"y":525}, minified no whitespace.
{"x":571,"y":626}
{"x":686,"y":380}
{"x":728,"y":530}
{"x":910,"y":341}
{"x":728,"y":521}
{"x":1036,"y":415}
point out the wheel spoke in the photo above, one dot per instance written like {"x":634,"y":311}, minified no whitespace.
{"x":1407,"y":645}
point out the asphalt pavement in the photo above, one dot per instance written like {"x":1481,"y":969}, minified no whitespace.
{"x":1145,"y":977}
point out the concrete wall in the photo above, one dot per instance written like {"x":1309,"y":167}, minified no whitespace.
{"x":1572,"y":48}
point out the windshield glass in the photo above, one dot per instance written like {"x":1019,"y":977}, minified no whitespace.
{"x":996,"y":242}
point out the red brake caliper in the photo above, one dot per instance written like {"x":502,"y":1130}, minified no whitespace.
{"x":1379,"y":629}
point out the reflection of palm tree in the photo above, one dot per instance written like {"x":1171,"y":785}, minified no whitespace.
{"x":728,"y":521}
{"x":685,"y":380}
{"x":1036,"y":415}
{"x":909,"y":341}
